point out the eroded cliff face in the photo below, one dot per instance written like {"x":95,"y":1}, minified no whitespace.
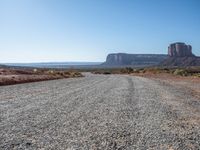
{"x":180,"y":50}
{"x":180,"y":54}
{"x":122,"y":59}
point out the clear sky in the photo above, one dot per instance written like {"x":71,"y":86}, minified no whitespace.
{"x":87,"y":30}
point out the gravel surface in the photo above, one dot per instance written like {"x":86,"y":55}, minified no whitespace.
{"x":105,"y":112}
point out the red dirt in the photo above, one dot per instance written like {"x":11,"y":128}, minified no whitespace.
{"x":15,"y":79}
{"x":16,"y":76}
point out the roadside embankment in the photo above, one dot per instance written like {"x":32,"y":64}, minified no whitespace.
{"x":10,"y":76}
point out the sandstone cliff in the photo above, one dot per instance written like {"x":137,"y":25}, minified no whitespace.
{"x":180,"y":54}
{"x":180,"y":50}
{"x":123,"y":59}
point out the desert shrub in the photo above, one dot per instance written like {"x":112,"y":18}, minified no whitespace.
{"x":35,"y":70}
{"x":123,"y":71}
{"x":76,"y":74}
{"x":142,"y":70}
{"x":96,"y":72}
{"x":51,"y":72}
{"x":196,"y":75}
{"x":171,"y":71}
{"x":127,"y":70}
{"x":136,"y":70}
{"x":151,"y":70}
{"x":67,"y":73}
{"x":106,"y":72}
{"x":61,"y":73}
{"x":193,"y":70}
{"x":156,"y":70}
{"x":180,"y":72}
{"x":166,"y":69}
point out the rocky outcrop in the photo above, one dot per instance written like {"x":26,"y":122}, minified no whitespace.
{"x":180,"y":55}
{"x":180,"y":50}
{"x":123,"y":59}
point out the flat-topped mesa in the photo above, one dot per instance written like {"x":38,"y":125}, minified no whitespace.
{"x":180,"y":50}
{"x":123,"y":59}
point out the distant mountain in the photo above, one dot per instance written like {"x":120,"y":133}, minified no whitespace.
{"x":180,"y":54}
{"x":3,"y":66}
{"x":55,"y":64}
{"x":123,"y":59}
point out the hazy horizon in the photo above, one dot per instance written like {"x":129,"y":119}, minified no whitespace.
{"x":86,"y":31}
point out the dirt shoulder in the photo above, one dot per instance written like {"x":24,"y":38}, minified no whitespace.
{"x":190,"y":84}
{"x":15,"y":76}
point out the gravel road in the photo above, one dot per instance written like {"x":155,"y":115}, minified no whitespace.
{"x":105,"y":112}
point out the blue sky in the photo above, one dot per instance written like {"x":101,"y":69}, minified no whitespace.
{"x":87,"y":30}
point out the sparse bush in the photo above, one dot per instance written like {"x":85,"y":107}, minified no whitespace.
{"x":96,"y":72}
{"x":180,"y":72}
{"x":75,"y":74}
{"x":166,"y":69}
{"x":78,"y":74}
{"x":35,"y":70}
{"x":136,"y":70}
{"x":51,"y":72}
{"x":106,"y":73}
{"x":67,"y":73}
{"x":196,"y":75}
{"x":156,"y":70}
{"x":127,"y":70}
{"x":142,"y":71}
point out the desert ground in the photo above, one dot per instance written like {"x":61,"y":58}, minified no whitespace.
{"x":191,"y":84}
{"x":100,"y":112}
{"x":9,"y":76}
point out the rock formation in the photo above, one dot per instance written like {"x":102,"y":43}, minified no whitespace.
{"x":180,"y":54}
{"x":123,"y":59}
{"x":180,"y":50}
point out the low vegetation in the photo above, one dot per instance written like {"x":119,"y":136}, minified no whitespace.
{"x":13,"y":76}
{"x":187,"y":71}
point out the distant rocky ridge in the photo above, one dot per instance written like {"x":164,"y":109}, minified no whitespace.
{"x":180,"y":54}
{"x":123,"y":59}
{"x":3,"y":66}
